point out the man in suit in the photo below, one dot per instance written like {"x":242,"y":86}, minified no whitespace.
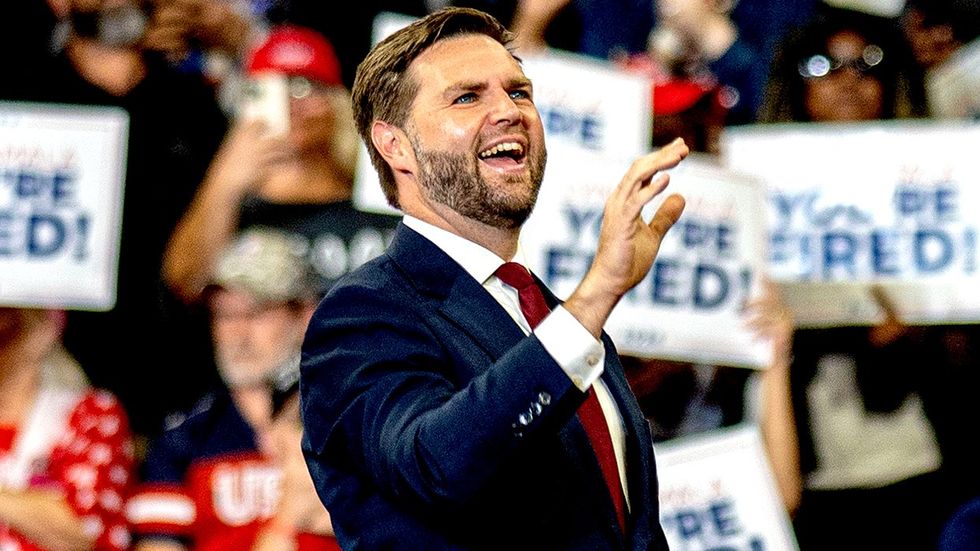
{"x":435,"y":417}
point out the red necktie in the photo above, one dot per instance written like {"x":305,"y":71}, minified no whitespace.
{"x":590,"y":413}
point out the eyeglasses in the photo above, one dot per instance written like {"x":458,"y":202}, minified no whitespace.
{"x":302,"y":87}
{"x":820,"y":65}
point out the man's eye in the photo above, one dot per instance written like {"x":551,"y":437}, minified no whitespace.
{"x":466,"y":98}
{"x":520,"y":94}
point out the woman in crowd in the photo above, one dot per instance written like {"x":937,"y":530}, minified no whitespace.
{"x":881,"y":410}
{"x":66,"y":452}
{"x":844,"y":66}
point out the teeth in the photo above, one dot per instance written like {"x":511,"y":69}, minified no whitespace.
{"x":509,"y":146}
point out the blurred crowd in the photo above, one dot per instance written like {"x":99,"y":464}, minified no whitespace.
{"x":171,"y":421}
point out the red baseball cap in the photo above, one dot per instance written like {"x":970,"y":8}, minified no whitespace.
{"x":677,"y":95}
{"x":669,"y":94}
{"x":296,"y":51}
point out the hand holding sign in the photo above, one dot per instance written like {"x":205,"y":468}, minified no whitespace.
{"x":627,"y":244}
{"x":768,"y":316}
{"x":891,"y":327}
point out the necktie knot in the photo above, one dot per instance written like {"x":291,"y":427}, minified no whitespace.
{"x":533,"y":305}
{"x":515,"y":275}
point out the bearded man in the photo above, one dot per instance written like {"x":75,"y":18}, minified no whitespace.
{"x":449,"y":400}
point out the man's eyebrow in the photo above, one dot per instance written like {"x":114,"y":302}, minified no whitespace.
{"x":464,"y":86}
{"x":520,"y":82}
{"x":477,"y":86}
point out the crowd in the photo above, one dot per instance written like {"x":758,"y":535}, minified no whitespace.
{"x":172,"y":421}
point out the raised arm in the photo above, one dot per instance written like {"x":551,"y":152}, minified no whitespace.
{"x":770,"y":318}
{"x":240,"y":167}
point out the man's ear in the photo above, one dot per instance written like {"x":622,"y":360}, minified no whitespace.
{"x":393,"y":145}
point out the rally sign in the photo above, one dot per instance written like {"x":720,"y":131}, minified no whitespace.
{"x":590,"y":106}
{"x":585,"y":106}
{"x":690,"y":305}
{"x":891,"y":204}
{"x":61,"y":183}
{"x":717,"y":491}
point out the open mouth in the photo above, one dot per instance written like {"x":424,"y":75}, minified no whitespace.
{"x":504,"y":155}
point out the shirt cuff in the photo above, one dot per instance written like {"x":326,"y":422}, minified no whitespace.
{"x":580,"y":355}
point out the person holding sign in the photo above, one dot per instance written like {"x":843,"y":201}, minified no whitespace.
{"x":449,"y":401}
{"x":175,"y":126}
{"x":884,"y":412}
{"x":682,"y":399}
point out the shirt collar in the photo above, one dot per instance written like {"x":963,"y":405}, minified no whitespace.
{"x":477,"y":260}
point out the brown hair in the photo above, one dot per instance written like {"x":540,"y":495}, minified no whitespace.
{"x":384,"y":91}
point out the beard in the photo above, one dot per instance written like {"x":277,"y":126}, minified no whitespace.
{"x":252,"y":372}
{"x":454,"y":180}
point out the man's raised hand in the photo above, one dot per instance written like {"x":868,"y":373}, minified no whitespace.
{"x":627,"y":244}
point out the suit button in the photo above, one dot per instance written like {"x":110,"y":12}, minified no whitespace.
{"x":536,"y":408}
{"x":524,"y":419}
{"x":544,"y":398}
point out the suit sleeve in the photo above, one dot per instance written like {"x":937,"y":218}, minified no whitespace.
{"x":398,"y":394}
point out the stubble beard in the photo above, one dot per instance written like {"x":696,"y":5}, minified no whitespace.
{"x":454,"y":180}
{"x":252,"y":371}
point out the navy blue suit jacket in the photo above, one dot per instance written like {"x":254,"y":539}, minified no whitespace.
{"x":414,"y":384}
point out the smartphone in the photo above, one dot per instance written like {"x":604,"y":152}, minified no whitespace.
{"x":266,"y":97}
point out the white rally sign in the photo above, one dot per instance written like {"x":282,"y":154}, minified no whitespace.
{"x":61,"y":186}
{"x":889,"y":204}
{"x":717,"y":491}
{"x":690,"y":305}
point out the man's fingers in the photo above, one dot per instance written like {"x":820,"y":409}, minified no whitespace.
{"x":656,"y":185}
{"x":667,"y":214}
{"x":644,"y":170}
{"x":644,"y":181}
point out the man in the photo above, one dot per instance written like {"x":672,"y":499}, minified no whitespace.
{"x":435,"y":419}
{"x":208,"y":481}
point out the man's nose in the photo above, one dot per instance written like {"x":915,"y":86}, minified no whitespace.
{"x":504,"y":109}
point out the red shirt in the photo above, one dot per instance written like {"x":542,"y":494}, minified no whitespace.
{"x":80,"y":444}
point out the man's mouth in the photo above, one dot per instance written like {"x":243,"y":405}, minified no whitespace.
{"x":504,"y":154}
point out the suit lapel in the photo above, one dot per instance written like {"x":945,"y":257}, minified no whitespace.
{"x":439,"y":277}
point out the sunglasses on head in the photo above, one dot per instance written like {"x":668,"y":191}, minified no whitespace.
{"x":821,"y":65}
